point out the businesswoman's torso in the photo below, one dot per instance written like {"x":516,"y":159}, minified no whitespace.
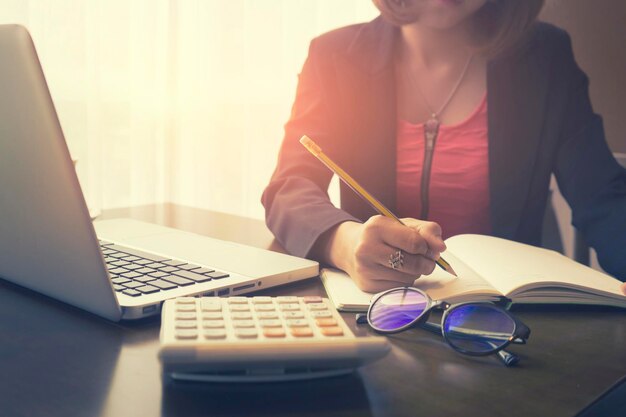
{"x":538,"y":121}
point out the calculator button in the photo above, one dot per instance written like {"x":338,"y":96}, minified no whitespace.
{"x":243,"y":323}
{"x":331,"y":331}
{"x":262,"y":300}
{"x":286,"y":299}
{"x":274,"y":332}
{"x":302,"y":332}
{"x":186,"y":307}
{"x":312,"y":299}
{"x":186,"y":324}
{"x":185,"y":316}
{"x":293,"y":315}
{"x":237,"y":300}
{"x":264,"y":307}
{"x":241,"y":316}
{"x":270,"y":323}
{"x":186,"y":334}
{"x":321,"y":314}
{"x":213,"y":324}
{"x":297,"y":323}
{"x":267,"y":315}
{"x":325,"y":322}
{"x":239,"y":307}
{"x":289,"y":307}
{"x":214,"y":334}
{"x":246,"y":333}
{"x":317,"y":306}
{"x":211,"y":305}
{"x":211,"y":316}
{"x":185,"y":300}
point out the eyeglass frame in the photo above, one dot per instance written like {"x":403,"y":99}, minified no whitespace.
{"x":519,"y":335}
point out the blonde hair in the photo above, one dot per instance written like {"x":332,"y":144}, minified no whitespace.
{"x":497,"y":26}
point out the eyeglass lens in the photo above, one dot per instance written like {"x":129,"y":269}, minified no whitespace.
{"x":478,"y":328}
{"x":397,"y":308}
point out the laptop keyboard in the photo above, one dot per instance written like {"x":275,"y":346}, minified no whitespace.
{"x":134,"y":272}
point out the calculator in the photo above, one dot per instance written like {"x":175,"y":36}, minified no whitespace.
{"x":259,"y":339}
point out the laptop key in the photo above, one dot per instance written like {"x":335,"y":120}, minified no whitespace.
{"x":169,"y":269}
{"x":145,"y":278}
{"x":131,"y":275}
{"x":174,"y":263}
{"x":117,"y":271}
{"x":178,"y":280}
{"x":143,"y":262}
{"x":132,"y":258}
{"x":120,"y":280}
{"x":117,"y":287}
{"x":203,"y":270}
{"x":158,"y":274}
{"x":131,"y":292}
{"x":132,"y":267}
{"x":139,"y":253}
{"x":145,"y":271}
{"x":147,"y":289}
{"x":164,"y":285}
{"x":193,"y":276}
{"x":217,"y":275}
{"x":118,"y":255}
{"x":188,"y":267}
{"x":119,"y":262}
{"x":134,"y":284}
{"x":156,"y":265}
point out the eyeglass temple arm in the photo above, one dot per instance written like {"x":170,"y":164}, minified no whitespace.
{"x":508,"y":358}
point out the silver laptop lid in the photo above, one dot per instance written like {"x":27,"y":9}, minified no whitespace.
{"x":47,"y":241}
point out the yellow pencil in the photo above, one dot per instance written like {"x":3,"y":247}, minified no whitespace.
{"x":356,"y":187}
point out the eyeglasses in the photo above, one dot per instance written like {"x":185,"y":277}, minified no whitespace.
{"x":473,"y":328}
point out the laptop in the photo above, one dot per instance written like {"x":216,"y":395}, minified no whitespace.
{"x":118,"y":269}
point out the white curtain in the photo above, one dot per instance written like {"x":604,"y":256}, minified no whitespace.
{"x":179,"y":101}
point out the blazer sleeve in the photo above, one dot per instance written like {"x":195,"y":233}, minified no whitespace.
{"x":297,"y":207}
{"x":591,"y":180}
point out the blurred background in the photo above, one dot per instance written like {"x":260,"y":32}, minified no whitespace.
{"x":184,"y":101}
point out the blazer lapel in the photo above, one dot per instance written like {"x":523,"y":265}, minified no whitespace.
{"x":366,"y":83}
{"x":516,"y":94}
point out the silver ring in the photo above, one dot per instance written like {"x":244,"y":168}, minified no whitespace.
{"x":396,"y":259}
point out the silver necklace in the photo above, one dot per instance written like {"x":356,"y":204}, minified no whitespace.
{"x":431,"y":131}
{"x":431,"y":127}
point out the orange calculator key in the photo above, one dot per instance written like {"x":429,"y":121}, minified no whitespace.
{"x":332,"y":331}
{"x":312,"y":299}
{"x":274,"y":332}
{"x":326,"y":322}
{"x":301,"y":332}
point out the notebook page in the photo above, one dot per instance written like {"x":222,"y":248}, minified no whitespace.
{"x":467,"y":286}
{"x":509,"y":266}
{"x":439,"y":285}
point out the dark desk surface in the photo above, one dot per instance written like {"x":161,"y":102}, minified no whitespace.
{"x":56,"y":360}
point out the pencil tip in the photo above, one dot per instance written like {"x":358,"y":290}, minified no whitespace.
{"x":451,"y":271}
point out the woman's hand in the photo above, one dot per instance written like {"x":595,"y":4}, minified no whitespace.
{"x":364,"y":251}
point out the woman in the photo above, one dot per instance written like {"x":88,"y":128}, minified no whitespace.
{"x":499,"y":98}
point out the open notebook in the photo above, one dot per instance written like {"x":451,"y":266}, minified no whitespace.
{"x":490,"y":268}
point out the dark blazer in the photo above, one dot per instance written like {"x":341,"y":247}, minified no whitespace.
{"x":540,"y":122}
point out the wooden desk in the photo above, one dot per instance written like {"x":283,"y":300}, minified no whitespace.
{"x":56,"y":360}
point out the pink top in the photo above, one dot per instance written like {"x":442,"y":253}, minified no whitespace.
{"x":459,"y":179}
